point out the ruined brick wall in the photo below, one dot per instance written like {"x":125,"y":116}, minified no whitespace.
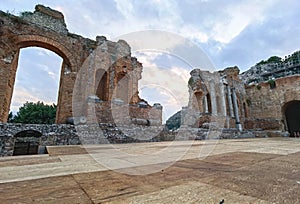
{"x":98,"y":67}
{"x":119,"y":113}
{"x":108,"y":87}
{"x":47,"y":18}
{"x":37,"y":29}
{"x":212,"y":99}
{"x":265,"y":105}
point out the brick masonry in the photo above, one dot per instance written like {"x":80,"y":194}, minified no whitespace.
{"x":266,"y":105}
{"x":100,"y":68}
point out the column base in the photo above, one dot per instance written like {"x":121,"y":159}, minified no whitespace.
{"x":239,"y":127}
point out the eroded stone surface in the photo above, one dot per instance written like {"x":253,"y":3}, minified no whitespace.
{"x":238,"y":171}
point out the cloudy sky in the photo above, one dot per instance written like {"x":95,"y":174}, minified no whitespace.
{"x":229,"y":32}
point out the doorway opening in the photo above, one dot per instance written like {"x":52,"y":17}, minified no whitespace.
{"x":292,"y":116}
{"x":27,"y":142}
{"x":37,"y":77}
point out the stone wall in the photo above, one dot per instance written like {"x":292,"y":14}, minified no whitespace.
{"x":215,"y":97}
{"x":47,"y":18}
{"x":100,"y":67}
{"x":265,"y":104}
{"x":50,"y":135}
{"x":20,"y":32}
{"x":222,"y":98}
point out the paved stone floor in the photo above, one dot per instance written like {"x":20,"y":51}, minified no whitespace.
{"x":238,"y":171}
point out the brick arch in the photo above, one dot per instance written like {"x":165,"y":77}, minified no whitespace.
{"x":23,"y":41}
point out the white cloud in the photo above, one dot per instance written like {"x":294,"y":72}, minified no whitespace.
{"x":51,"y":73}
{"x":22,"y":95}
{"x":165,"y":84}
{"x":125,"y":7}
{"x":43,"y":52}
{"x":193,"y":33}
{"x":183,"y":73}
{"x":239,"y":16}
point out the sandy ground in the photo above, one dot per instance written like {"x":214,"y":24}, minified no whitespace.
{"x":265,"y":170}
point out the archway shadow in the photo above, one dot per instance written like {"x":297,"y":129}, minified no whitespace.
{"x":27,"y":142}
{"x":291,"y":111}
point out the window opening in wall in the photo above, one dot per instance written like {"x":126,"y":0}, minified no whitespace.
{"x":209,"y":103}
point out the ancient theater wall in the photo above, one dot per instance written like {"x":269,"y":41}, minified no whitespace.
{"x":266,"y":102}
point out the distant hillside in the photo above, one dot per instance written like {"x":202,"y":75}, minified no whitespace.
{"x":174,"y":121}
{"x":272,"y":68}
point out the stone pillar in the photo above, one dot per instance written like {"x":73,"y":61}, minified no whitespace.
{"x":214,"y":110}
{"x":229,"y":101}
{"x":222,"y":98}
{"x":205,"y":104}
{"x":236,"y":110}
{"x":8,"y":69}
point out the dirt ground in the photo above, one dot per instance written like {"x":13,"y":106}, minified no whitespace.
{"x":242,"y":176}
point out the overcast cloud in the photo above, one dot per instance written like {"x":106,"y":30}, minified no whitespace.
{"x":229,"y":32}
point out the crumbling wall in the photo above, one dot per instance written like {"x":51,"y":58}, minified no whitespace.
{"x":94,"y":68}
{"x":46,"y":18}
{"x":50,"y":135}
{"x":65,"y":134}
{"x":217,"y":97}
{"x":40,"y":29}
{"x":265,"y":102}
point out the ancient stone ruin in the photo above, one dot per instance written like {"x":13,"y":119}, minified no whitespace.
{"x":98,"y":93}
{"x":98,"y":84}
{"x":266,"y":109}
{"x":113,"y":76}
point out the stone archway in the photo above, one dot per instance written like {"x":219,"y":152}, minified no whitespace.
{"x":24,"y":41}
{"x":82,"y":57}
{"x":291,"y":111}
{"x":68,"y":66}
{"x":44,"y":28}
{"x":102,"y":83}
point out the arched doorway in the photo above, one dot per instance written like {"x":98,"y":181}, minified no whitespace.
{"x":66,"y":70}
{"x":101,"y":82}
{"x":37,"y":77}
{"x":27,"y":142}
{"x":291,"y":111}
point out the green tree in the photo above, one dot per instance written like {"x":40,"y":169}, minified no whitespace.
{"x":10,"y":118}
{"x":273,"y":59}
{"x":36,"y":113}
